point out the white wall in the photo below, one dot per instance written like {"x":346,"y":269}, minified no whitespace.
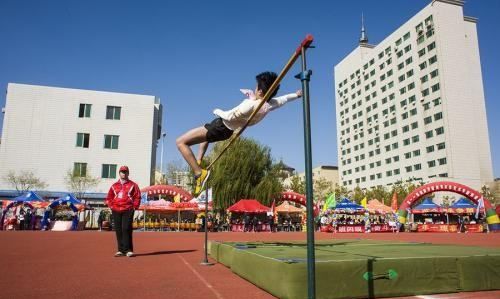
{"x":41,"y":124}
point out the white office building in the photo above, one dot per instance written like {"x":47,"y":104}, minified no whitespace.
{"x":50,"y":131}
{"x":412,"y":106}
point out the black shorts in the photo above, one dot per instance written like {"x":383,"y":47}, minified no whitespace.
{"x":217,"y":131}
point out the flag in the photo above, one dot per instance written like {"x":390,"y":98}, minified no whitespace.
{"x":330,"y":202}
{"x":394,"y":203}
{"x":364,"y":202}
{"x":177,"y":198}
{"x":480,"y":205}
{"x":144,"y":198}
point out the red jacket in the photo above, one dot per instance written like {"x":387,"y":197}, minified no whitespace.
{"x":123,"y":197}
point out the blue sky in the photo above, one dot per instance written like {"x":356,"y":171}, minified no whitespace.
{"x":196,"y":55}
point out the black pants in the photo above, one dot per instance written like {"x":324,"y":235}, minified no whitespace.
{"x":123,"y":228}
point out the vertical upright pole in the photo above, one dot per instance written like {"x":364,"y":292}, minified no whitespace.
{"x":205,"y":261}
{"x":304,"y":77}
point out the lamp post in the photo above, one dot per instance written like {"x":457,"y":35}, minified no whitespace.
{"x":163,"y":134}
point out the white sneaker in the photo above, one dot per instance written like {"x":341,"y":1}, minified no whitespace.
{"x":130,"y":254}
{"x":118,"y":254}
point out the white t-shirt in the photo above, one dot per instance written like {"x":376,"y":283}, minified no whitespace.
{"x":238,"y":116}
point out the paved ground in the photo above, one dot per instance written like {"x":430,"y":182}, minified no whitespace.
{"x":80,"y":264}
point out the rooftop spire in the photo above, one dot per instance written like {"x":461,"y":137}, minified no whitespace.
{"x":364,"y":38}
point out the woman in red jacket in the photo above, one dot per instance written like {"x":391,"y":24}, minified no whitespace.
{"x":123,"y":198}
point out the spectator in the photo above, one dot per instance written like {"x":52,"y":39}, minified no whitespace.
{"x":20,"y":219}
{"x":100,"y":220}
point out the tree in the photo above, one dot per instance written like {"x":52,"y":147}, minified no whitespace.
{"x":358,"y":194}
{"x":487,"y":194}
{"x":24,"y":182}
{"x":174,"y":169}
{"x":322,"y":187}
{"x":79,"y":185}
{"x":245,"y":170}
{"x":341,"y":191}
{"x":380,"y":193}
{"x":297,"y":184}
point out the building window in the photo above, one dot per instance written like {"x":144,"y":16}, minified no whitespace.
{"x":415,"y":139}
{"x":424,"y":79}
{"x":401,"y":66}
{"x":436,"y":101}
{"x":409,"y":60}
{"x":406,"y":141}
{"x":408,"y":168}
{"x":421,"y":52}
{"x":408,"y":155}
{"x":434,"y":73}
{"x":431,"y":46}
{"x":429,"y":134}
{"x":420,"y":39}
{"x":428,"y":120}
{"x":427,"y":106}
{"x":406,"y":129}
{"x":113,"y":112}
{"x":111,"y":141}
{"x":435,"y":87}
{"x":433,"y":59}
{"x":409,"y":73}
{"x":439,"y":131}
{"x":413,"y":111}
{"x":425,"y":92}
{"x":430,"y":149}
{"x":82,"y":140}
{"x":417,"y":166}
{"x":414,"y":125}
{"x":438,"y":116}
{"x":416,"y":153}
{"x":80,"y":169}
{"x":423,"y":65}
{"x":84,"y":110}
{"x":442,"y":161}
{"x":396,"y":171}
{"x":108,"y":171}
{"x":441,"y":146}
{"x":406,"y":36}
{"x":443,"y":175}
{"x":431,"y":163}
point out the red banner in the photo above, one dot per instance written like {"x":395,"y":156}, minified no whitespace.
{"x":474,"y":228}
{"x":437,"y":228}
{"x":350,"y":229}
{"x":381,"y":228}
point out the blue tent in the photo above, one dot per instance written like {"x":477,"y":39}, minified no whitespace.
{"x":345,"y":205}
{"x":69,"y":197}
{"x":427,"y":206}
{"x":463,"y":203}
{"x":29,"y":196}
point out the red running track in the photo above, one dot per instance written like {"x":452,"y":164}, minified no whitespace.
{"x":81,"y":264}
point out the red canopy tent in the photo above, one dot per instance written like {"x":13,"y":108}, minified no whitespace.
{"x":248,"y":206}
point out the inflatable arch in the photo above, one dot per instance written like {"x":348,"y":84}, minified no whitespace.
{"x":55,"y":204}
{"x":167,"y":190}
{"x":10,"y":205}
{"x":491,"y":216}
{"x":297,"y":198}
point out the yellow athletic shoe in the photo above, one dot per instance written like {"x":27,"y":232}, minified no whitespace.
{"x":198,"y":162}
{"x":200,"y":181}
